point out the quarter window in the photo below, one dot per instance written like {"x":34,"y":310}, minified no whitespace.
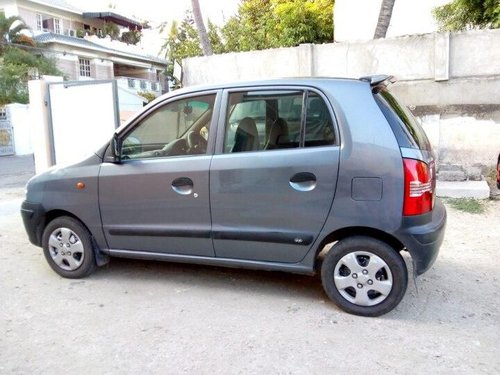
{"x":177,"y":128}
{"x":84,"y":67}
{"x":319,"y":125}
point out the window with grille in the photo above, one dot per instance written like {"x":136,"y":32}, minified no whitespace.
{"x":39,"y":22}
{"x":84,"y":67}
{"x":57,"y":26}
{"x":131,"y":83}
{"x":143,"y":85}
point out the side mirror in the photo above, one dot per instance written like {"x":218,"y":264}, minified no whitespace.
{"x":114,"y":151}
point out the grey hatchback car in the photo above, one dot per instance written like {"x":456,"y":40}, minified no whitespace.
{"x":298,"y":175}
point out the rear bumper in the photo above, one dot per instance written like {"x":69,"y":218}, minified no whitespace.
{"x":33,"y":215}
{"x":423,"y":235}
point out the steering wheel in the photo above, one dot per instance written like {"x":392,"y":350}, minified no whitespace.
{"x":196,"y":143}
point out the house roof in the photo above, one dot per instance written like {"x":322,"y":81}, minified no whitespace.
{"x":46,"y":38}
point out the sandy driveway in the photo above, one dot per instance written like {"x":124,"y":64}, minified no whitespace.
{"x":137,"y":316}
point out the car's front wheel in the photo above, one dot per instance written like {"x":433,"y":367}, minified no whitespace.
{"x":364,"y":276}
{"x":67,"y":246}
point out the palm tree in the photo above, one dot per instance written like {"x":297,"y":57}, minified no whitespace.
{"x":10,"y":28}
{"x":202,"y":31}
{"x":384,"y":18}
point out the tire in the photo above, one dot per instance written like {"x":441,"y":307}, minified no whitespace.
{"x":67,"y":246}
{"x":364,"y":276}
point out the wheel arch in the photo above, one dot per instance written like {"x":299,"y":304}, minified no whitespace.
{"x":346,"y":232}
{"x":51,"y":215}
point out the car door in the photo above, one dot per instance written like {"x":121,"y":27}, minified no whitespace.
{"x":157,"y":198}
{"x":273,"y":178}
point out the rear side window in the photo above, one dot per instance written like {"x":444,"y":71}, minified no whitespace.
{"x":406,"y":128}
{"x":277,"y":119}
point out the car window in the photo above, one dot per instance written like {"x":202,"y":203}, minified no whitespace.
{"x":319,"y":124}
{"x":270,"y":120}
{"x":407,"y":129}
{"x":263,"y":120}
{"x":177,"y":128}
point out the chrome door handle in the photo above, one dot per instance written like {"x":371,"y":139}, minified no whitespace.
{"x":183,"y":186}
{"x":303,"y":181}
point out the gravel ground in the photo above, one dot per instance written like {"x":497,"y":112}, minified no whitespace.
{"x":151,"y":317}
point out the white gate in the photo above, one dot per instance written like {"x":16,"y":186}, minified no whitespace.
{"x":6,"y":133}
{"x":82,"y":117}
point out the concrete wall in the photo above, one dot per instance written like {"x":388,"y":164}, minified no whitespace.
{"x":455,"y":77}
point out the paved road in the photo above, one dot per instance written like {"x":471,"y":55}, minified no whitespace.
{"x":15,"y":171}
{"x":149,"y":317}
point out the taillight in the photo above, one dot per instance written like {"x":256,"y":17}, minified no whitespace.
{"x":420,"y":181}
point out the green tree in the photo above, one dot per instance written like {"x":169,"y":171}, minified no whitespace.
{"x":110,"y":29}
{"x":182,"y":40}
{"x":215,"y":37}
{"x":17,"y":66}
{"x":468,"y":14}
{"x":262,"y":24}
{"x":17,"y":63}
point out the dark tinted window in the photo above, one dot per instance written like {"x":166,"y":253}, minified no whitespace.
{"x":406,"y":128}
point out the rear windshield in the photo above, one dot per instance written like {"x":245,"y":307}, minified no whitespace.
{"x":406,"y":128}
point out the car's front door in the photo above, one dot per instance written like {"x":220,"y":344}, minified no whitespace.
{"x":156,"y":199}
{"x":273,"y":180}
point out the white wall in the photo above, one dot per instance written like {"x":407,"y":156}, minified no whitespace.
{"x":21,"y":124}
{"x":130,"y":102}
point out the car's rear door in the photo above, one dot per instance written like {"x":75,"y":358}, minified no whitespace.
{"x":269,"y":199}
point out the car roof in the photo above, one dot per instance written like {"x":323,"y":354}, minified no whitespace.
{"x":298,"y":81}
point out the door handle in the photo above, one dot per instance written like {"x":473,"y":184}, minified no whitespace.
{"x":303,"y":181}
{"x":183,"y":186}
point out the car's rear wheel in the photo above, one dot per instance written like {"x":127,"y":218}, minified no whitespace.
{"x":364,"y":276}
{"x":67,"y":246}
